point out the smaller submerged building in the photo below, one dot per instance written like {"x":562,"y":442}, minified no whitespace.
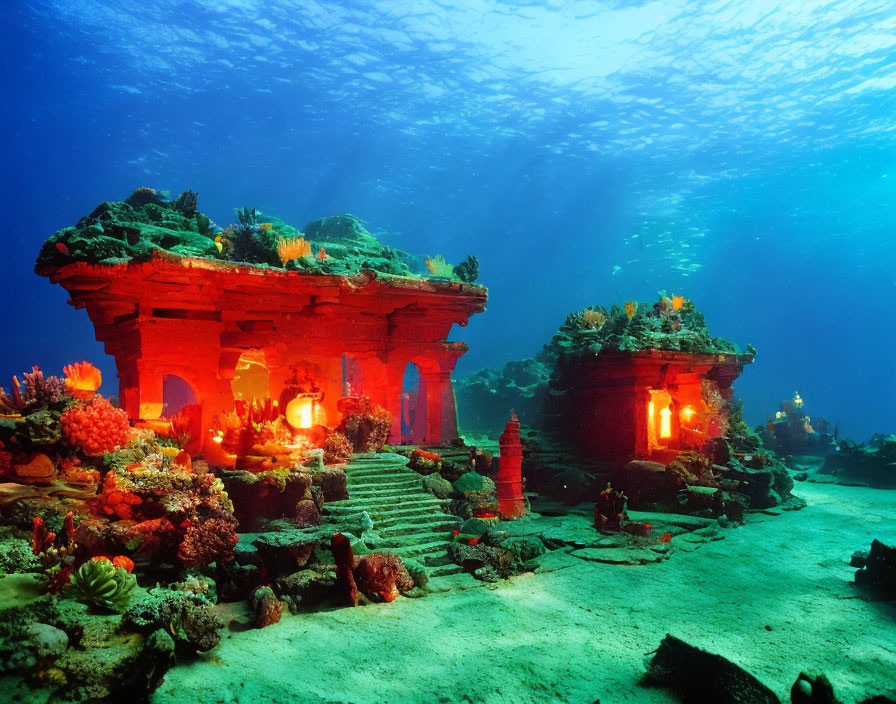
{"x":641,"y":382}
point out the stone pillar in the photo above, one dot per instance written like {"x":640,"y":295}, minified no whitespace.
{"x":440,"y":413}
{"x":509,"y":480}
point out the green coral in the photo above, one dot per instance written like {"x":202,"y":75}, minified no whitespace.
{"x":99,"y":583}
{"x":653,"y":326}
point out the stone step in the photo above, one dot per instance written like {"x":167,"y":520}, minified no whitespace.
{"x":439,"y":526}
{"x":380,"y":472}
{"x":444,"y":571}
{"x":410,"y":483}
{"x":387,"y":492}
{"x":420,"y":518}
{"x":423,"y":503}
{"x":412,"y":551}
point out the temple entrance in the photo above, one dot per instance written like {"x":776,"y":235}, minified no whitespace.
{"x":413,"y":406}
{"x":176,"y":393}
{"x":252,"y":379}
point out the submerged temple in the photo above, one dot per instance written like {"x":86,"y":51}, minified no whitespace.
{"x":188,"y":325}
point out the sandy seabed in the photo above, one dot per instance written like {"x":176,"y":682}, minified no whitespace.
{"x":580,"y":632}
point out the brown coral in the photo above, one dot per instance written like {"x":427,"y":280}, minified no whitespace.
{"x":209,"y":541}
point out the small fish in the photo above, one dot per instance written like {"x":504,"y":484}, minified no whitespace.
{"x":62,"y":248}
{"x":322,"y":255}
{"x":667,"y":536}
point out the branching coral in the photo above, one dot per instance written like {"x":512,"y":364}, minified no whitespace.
{"x":96,"y":427}
{"x":37,"y":392}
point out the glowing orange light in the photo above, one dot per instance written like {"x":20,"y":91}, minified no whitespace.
{"x":687,"y":412}
{"x":665,"y":423}
{"x":300,"y":412}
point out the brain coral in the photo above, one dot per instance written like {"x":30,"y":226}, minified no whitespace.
{"x":95,"y":427}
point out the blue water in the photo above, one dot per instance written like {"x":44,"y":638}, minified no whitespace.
{"x":740,"y":152}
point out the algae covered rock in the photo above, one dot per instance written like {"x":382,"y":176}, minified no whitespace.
{"x":437,"y":486}
{"x":190,"y":618}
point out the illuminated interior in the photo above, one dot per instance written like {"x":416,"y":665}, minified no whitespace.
{"x":252,"y":379}
{"x":659,"y":419}
{"x":665,"y":423}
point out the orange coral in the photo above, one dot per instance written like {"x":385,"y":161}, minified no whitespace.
{"x":677,"y":302}
{"x":322,"y":255}
{"x":293,"y":248}
{"x":96,"y":427}
{"x":82,"y":379}
{"x":115,"y":498}
{"x":266,"y":226}
{"x":631,"y":307}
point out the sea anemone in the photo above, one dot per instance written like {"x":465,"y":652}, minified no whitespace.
{"x":293,"y":248}
{"x":82,"y":380}
{"x":100,"y":583}
{"x":96,"y":427}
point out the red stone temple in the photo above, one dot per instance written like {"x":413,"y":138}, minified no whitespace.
{"x":649,"y":404}
{"x":198,"y":331}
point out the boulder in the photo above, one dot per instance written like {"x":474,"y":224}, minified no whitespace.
{"x":701,"y":676}
{"x":643,"y":482}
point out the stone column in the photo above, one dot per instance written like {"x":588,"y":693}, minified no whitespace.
{"x":509,"y":481}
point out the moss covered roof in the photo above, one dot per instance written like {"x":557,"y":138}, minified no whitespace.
{"x":129,"y":230}
{"x":669,"y":324}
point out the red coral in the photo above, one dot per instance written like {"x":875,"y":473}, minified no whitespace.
{"x":41,"y":538}
{"x":428,"y":456}
{"x":206,"y":542}
{"x":123,"y":561}
{"x":115,"y":498}
{"x":96,"y":427}
{"x":156,"y":538}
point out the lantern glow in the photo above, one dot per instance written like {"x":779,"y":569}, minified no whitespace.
{"x":300,"y":412}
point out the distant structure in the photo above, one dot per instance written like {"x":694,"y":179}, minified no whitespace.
{"x":645,"y":404}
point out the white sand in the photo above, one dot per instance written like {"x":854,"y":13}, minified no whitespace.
{"x":579,"y":633}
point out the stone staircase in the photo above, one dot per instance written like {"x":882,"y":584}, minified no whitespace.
{"x":409,"y":520}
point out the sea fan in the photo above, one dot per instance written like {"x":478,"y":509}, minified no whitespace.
{"x":293,"y":248}
{"x":439,"y":268}
{"x":100,"y":583}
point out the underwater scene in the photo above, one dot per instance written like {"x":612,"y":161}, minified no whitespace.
{"x":475,"y":351}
